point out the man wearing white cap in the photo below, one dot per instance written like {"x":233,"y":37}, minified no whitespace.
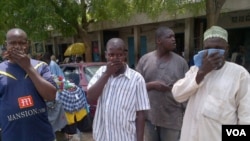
{"x":218,"y":92}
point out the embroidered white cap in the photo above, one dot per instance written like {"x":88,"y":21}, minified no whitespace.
{"x":216,"y":31}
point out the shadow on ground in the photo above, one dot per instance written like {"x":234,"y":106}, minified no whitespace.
{"x":87,"y":136}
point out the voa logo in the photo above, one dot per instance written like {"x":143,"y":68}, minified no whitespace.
{"x":236,"y":132}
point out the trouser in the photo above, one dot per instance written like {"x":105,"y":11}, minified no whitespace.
{"x":157,"y":133}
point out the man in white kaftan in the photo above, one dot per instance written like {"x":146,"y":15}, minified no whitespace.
{"x":218,"y":93}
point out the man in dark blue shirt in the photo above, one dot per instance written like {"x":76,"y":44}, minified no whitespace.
{"x":25,"y":85}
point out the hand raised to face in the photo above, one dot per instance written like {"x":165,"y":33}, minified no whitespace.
{"x":115,"y":65}
{"x":212,"y":61}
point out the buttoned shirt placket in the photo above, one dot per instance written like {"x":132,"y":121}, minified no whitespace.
{"x":112,"y":81}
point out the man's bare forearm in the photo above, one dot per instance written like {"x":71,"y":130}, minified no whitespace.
{"x":96,"y":90}
{"x":140,"y":123}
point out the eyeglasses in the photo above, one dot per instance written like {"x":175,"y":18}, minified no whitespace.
{"x":14,"y":43}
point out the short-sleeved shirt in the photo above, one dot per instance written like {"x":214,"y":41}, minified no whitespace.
{"x":121,"y":98}
{"x":23,"y":113}
{"x":165,"y":111}
{"x":55,"y":69}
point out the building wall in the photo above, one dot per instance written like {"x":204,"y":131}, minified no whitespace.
{"x":232,"y":16}
{"x":238,"y":19}
{"x":142,"y":19}
{"x":177,"y":23}
{"x":147,"y":31}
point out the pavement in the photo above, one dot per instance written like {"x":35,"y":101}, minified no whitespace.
{"x":87,"y":136}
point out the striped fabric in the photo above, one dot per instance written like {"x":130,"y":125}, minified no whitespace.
{"x":116,"y":108}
